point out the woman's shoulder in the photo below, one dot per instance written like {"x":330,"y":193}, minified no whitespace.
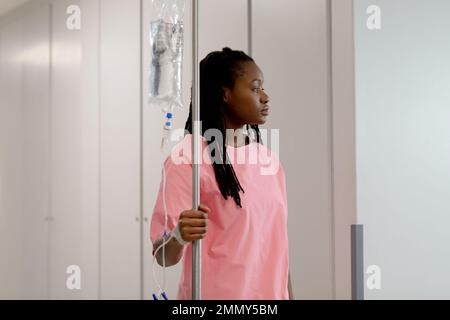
{"x":269,"y":159}
{"x":181,"y":152}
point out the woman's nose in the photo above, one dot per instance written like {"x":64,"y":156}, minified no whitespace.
{"x":265,"y":97}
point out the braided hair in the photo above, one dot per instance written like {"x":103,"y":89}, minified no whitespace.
{"x":220,"y":69}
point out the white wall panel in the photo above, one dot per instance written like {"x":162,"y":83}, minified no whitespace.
{"x":24,"y":155}
{"x":11,"y":174}
{"x":403,"y":146}
{"x":343,"y":126}
{"x":290,"y":45}
{"x":34,"y":124}
{"x":65,"y":152}
{"x":90,"y":149}
{"x":120,"y":149}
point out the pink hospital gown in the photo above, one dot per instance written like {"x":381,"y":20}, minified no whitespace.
{"x":245,"y":253}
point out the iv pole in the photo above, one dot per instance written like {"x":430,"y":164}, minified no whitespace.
{"x":196,"y":245}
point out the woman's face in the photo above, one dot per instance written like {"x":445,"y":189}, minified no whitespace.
{"x":247,"y":102}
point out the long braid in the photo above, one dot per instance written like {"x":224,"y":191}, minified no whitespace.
{"x":220,"y":69}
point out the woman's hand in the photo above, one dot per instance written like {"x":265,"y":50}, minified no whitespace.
{"x":193,"y":224}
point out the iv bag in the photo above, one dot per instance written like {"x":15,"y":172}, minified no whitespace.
{"x":166,"y":43}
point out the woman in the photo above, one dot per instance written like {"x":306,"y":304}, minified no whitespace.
{"x":245,"y":243}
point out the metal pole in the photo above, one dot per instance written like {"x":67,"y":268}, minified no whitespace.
{"x":196,"y":245}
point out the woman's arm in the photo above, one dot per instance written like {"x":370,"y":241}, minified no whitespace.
{"x":193,"y":226}
{"x":173,"y":252}
{"x":291,"y":293}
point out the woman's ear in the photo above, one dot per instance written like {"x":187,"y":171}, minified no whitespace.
{"x":226,"y":94}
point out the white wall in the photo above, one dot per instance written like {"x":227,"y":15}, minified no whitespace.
{"x":66,"y":171}
{"x":343,"y":141}
{"x":403,"y":150}
{"x":291,"y":45}
{"x":120,"y":121}
{"x":24,"y":156}
{"x":72,"y":197}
